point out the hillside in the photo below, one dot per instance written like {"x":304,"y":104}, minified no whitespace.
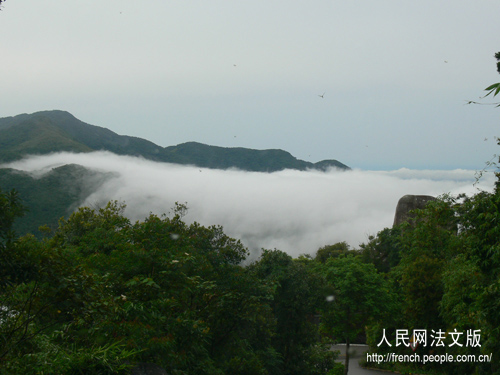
{"x":56,"y":131}
{"x":54,"y":195}
{"x":242,"y":158}
{"x":57,"y":193}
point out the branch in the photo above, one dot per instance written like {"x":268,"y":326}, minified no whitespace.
{"x":495,"y":89}
{"x":473,"y":102}
{"x":23,"y":324}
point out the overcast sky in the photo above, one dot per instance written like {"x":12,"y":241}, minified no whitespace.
{"x":395,"y":74}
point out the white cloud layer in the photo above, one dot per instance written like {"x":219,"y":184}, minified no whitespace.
{"x":293,"y":211}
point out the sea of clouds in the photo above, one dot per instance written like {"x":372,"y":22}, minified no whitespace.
{"x":294,"y":211}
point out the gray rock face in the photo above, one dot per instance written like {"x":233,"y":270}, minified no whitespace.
{"x":408,"y":203}
{"x":148,"y":369}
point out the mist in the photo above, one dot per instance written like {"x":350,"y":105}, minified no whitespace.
{"x":294,"y":211}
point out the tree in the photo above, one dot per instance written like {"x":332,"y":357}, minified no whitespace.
{"x":448,"y":276}
{"x":383,"y":250}
{"x":331,"y":251}
{"x":178,"y":293}
{"x":48,"y":299}
{"x":359,"y":296}
{"x":471,"y":280}
{"x":11,"y":208}
{"x":426,"y":244}
{"x":295,"y":300}
{"x":103,"y":294}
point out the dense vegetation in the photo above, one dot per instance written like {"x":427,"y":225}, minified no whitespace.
{"x":443,"y":266}
{"x":55,"y":131}
{"x":51,"y":196}
{"x":101,"y":294}
{"x":444,"y":269}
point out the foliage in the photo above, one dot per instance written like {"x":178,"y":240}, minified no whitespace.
{"x":426,"y":244}
{"x":52,"y":196}
{"x":383,"y":250}
{"x":10,"y":209}
{"x":492,"y":89}
{"x":296,"y":298}
{"x":331,"y":251}
{"x":103,"y":294}
{"x":359,"y":296}
{"x":448,"y":278}
{"x":495,"y":88}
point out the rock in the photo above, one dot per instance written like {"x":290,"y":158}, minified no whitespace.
{"x":408,"y":203}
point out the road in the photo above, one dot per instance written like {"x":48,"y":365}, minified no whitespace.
{"x":356,"y":353}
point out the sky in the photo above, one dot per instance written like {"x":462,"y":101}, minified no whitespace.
{"x":394,"y":76}
{"x":294,"y":211}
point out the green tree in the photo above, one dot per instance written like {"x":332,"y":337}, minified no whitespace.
{"x":47,"y":300}
{"x":331,"y":251}
{"x":295,"y":302}
{"x":359,"y":296}
{"x":471,"y":279}
{"x":448,"y":274}
{"x":426,"y":244}
{"x":383,"y":250}
{"x":177,"y":293}
{"x":11,"y":208}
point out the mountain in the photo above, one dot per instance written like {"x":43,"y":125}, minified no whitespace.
{"x":242,"y":158}
{"x":55,"y":131}
{"x":59,"y":192}
{"x":54,"y":195}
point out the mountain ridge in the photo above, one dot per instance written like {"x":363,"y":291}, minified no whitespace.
{"x":55,"y":131}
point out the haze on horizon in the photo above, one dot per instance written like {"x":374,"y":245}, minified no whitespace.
{"x":294,"y":211}
{"x":394,"y":76}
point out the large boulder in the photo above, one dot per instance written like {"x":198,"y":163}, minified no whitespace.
{"x":408,"y":203}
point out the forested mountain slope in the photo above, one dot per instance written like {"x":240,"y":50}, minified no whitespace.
{"x":56,"y":131}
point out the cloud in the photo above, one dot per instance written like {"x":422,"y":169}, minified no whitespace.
{"x":294,"y":211}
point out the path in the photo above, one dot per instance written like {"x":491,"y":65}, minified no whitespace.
{"x":356,"y":353}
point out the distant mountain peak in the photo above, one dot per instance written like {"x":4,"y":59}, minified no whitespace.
{"x":44,"y":132}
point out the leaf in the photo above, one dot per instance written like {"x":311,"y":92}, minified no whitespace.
{"x":495,"y":87}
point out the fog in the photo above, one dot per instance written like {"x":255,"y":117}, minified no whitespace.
{"x":294,"y":211}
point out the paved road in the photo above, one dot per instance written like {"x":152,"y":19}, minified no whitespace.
{"x":356,"y":353}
